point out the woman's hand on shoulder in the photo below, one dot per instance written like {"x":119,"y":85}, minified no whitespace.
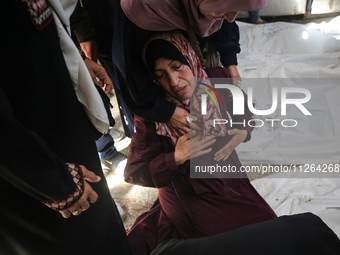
{"x":179,"y":124}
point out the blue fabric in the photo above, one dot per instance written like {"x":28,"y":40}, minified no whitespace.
{"x":254,"y":15}
{"x":226,"y":42}
{"x":106,"y":147}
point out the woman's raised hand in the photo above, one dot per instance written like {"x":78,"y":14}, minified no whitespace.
{"x":238,"y":136}
{"x":179,"y":124}
{"x":190,"y":148}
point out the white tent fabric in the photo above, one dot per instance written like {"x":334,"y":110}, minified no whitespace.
{"x":293,"y":55}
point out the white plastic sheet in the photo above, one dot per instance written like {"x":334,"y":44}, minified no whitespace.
{"x":291,"y":193}
{"x":310,"y":52}
{"x":291,"y":51}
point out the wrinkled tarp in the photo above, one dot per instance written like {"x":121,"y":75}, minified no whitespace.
{"x":292,"y":52}
{"x":292,"y":193}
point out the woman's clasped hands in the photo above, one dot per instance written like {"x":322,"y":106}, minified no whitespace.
{"x":192,"y":145}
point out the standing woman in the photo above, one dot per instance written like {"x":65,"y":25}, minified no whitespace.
{"x":43,"y":126}
{"x":212,"y":21}
{"x":123,"y":27}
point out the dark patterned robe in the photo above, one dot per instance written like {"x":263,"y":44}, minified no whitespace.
{"x":43,"y":126}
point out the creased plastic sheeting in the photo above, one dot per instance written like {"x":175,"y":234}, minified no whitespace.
{"x":291,"y":193}
{"x":285,"y":50}
{"x":293,"y":51}
{"x":289,"y":38}
{"x":314,"y":139}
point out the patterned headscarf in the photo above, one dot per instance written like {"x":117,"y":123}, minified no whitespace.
{"x":194,"y":104}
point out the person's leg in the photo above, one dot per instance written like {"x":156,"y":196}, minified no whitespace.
{"x":293,"y":235}
{"x":309,"y":6}
{"x":116,"y":134}
{"x":108,"y":153}
{"x":106,"y":147}
{"x":254,"y":17}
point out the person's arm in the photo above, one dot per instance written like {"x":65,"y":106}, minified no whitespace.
{"x":144,"y":98}
{"x":226,"y":42}
{"x":122,"y":41}
{"x":154,"y":162}
{"x":99,"y":75}
{"x":150,"y":163}
{"x":85,"y":33}
{"x":84,"y":29}
{"x":240,"y":132}
{"x":141,"y":95}
{"x":28,"y":164}
{"x":82,"y":25}
{"x":245,"y":118}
